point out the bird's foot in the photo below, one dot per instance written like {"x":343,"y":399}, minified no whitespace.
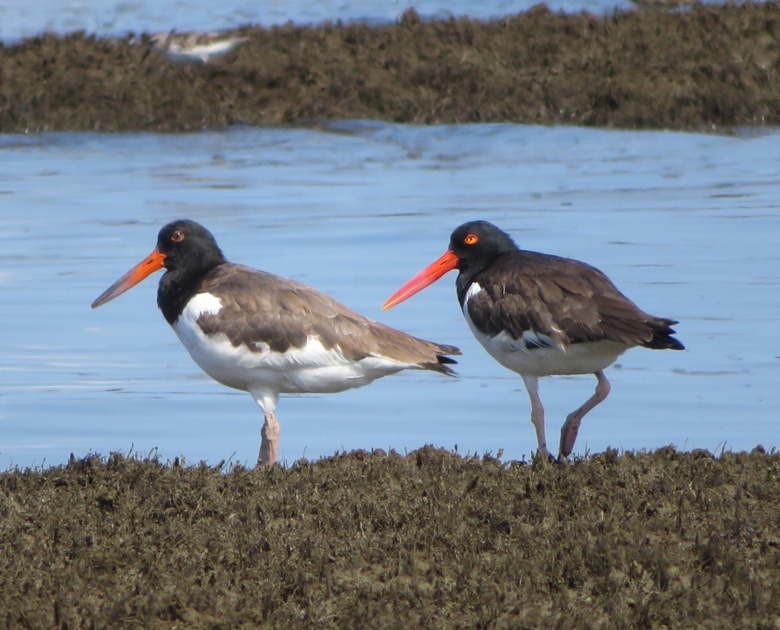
{"x":542,"y":457}
{"x":569,"y":434}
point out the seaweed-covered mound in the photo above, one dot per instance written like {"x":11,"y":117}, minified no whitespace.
{"x":699,"y":68}
{"x":430,"y":540}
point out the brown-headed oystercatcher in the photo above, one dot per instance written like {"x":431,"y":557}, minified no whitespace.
{"x":265,"y":334}
{"x":541,"y":315}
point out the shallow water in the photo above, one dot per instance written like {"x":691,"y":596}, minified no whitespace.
{"x":685,"y":224}
{"x":26,"y":18}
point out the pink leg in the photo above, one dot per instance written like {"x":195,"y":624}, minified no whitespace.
{"x":269,"y":434}
{"x":537,"y":414}
{"x":269,"y":445}
{"x":573,"y":420}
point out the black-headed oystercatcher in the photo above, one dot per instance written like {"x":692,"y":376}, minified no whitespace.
{"x":265,"y":334}
{"x":541,"y":315}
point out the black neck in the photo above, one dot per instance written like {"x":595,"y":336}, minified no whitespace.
{"x":179,"y":286}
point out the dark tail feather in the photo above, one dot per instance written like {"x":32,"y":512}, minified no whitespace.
{"x":440,"y":366}
{"x":662,"y":336}
{"x":443,"y":361}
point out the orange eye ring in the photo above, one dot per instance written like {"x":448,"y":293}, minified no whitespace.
{"x":471,"y":239}
{"x":177,"y":236}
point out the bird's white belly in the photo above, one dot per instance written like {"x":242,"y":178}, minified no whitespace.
{"x":578,"y":358}
{"x":309,"y":369}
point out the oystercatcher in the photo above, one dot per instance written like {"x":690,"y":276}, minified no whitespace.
{"x":265,"y":334}
{"x":541,"y":315}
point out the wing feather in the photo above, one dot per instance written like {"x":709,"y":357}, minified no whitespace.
{"x":566,"y":300}
{"x":260,"y":308}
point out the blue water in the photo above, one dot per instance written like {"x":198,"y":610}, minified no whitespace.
{"x":686,"y":224}
{"x":26,"y":18}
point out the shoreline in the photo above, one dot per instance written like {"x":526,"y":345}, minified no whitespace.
{"x":709,"y":68}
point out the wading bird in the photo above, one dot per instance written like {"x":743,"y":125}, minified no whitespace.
{"x":541,"y":315}
{"x":265,"y":334}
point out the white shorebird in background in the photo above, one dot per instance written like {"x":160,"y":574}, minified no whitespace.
{"x":193,"y":49}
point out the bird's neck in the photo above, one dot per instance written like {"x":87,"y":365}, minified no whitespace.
{"x":177,"y":287}
{"x":471,"y":272}
{"x":466,"y":278}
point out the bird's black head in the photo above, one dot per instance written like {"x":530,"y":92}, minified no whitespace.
{"x":478,"y":243}
{"x":189,"y":248}
{"x":185,"y":249}
{"x":190,"y":252}
{"x":473,"y":246}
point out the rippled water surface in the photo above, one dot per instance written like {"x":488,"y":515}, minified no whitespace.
{"x":25,"y":18}
{"x":687,"y":225}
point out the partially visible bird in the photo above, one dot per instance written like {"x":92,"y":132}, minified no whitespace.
{"x":193,"y":49}
{"x":265,"y":334}
{"x":541,"y":315}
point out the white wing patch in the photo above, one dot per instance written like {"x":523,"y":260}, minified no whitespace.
{"x":474,"y":289}
{"x":202,"y":304}
{"x":532,"y":339}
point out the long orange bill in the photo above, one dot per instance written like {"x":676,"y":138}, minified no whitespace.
{"x":427,"y":276}
{"x":148,"y":265}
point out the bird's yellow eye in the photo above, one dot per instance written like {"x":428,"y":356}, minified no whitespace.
{"x":471,"y":239}
{"x":177,"y":236}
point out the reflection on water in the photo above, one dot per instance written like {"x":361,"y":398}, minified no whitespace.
{"x":685,"y":224}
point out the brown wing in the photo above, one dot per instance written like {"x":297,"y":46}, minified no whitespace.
{"x":563,"y":299}
{"x":261,"y":308}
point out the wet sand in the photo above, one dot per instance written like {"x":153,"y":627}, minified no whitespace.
{"x":704,"y":68}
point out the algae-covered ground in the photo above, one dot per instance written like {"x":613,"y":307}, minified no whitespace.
{"x":703,"y":68}
{"x":376,"y":540}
